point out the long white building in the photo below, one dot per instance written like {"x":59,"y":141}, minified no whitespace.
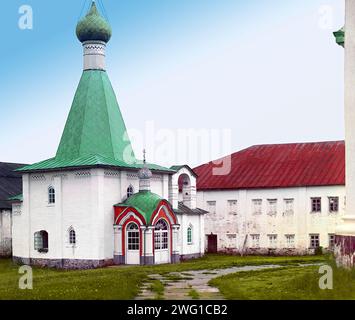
{"x":275,"y":199}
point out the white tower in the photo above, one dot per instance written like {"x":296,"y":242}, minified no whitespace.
{"x":345,"y":239}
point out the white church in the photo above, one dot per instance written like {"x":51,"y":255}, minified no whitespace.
{"x":94,"y":204}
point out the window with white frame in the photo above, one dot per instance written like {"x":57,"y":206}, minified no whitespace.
{"x":314,"y":241}
{"x":233,"y":207}
{"x":272,"y":207}
{"x":72,"y":236}
{"x":272,"y":241}
{"x":41,"y":241}
{"x":289,"y":207}
{"x":333,"y":204}
{"x":51,"y":195}
{"x":331,"y":241}
{"x":130,"y":191}
{"x":189,"y":235}
{"x":290,"y":240}
{"x":257,"y":206}
{"x":211,"y":207}
{"x":316,"y":205}
{"x":255,"y":240}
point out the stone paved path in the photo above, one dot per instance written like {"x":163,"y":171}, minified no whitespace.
{"x":192,"y":284}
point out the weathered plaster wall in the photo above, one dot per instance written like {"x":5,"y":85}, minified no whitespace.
{"x":5,"y":233}
{"x":234,"y":230}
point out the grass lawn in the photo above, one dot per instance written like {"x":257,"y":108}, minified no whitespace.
{"x":288,"y":283}
{"x":115,"y":282}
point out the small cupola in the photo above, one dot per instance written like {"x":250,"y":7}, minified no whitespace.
{"x":144,"y":176}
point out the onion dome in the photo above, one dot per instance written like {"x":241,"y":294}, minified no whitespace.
{"x":93,"y":27}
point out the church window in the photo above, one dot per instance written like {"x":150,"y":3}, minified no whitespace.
{"x":41,"y":241}
{"x":189,"y":235}
{"x":316,"y":204}
{"x":130,"y":191}
{"x":51,"y":195}
{"x":72,"y":236}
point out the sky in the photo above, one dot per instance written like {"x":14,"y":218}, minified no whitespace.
{"x":195,"y":79}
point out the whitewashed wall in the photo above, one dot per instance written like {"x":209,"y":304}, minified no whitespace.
{"x":84,"y":201}
{"x":197,"y":247}
{"x":232,"y":229}
{"x":5,"y":232}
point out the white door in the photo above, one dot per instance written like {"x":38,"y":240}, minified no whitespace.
{"x":132,"y":244}
{"x":161,"y":243}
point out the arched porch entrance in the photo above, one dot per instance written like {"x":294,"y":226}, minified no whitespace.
{"x":133,"y":243}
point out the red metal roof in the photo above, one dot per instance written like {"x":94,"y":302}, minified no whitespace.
{"x":279,"y":166}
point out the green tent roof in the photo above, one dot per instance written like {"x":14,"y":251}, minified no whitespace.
{"x":145,"y":202}
{"x":95,"y":124}
{"x":95,"y":133}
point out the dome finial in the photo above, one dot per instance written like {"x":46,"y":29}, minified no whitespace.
{"x":93,"y":27}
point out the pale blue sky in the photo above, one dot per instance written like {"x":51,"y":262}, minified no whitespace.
{"x":269,"y":71}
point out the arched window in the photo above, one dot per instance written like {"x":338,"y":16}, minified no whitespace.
{"x":41,"y":241}
{"x":189,"y":235}
{"x":51,"y":195}
{"x":161,"y":236}
{"x":130,"y":191}
{"x":72,"y":236}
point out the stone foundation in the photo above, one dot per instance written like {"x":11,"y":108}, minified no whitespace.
{"x":190,"y":256}
{"x":345,"y":251}
{"x":64,"y":263}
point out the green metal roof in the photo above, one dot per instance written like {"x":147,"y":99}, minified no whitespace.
{"x":93,"y":27}
{"x":19,"y":197}
{"x":89,"y":161}
{"x":145,"y":202}
{"x":95,"y":133}
{"x":95,"y":124}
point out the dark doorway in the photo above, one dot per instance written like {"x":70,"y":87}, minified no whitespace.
{"x":212,"y":243}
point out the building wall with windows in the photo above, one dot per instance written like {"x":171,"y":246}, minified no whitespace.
{"x":83,"y":203}
{"x":277,"y":220}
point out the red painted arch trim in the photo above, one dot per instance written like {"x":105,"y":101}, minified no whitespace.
{"x":121,"y":214}
{"x":157,"y":211}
